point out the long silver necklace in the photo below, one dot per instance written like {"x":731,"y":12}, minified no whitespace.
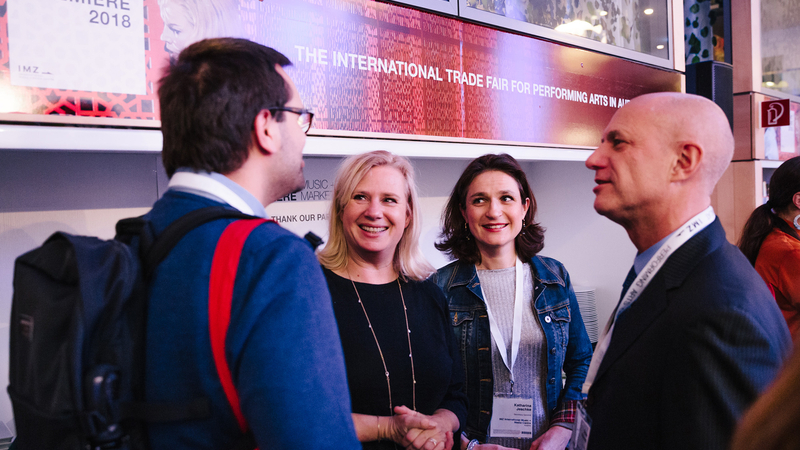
{"x":410,"y":353}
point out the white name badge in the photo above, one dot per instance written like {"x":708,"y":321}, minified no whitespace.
{"x":512,"y":418}
{"x":580,"y":430}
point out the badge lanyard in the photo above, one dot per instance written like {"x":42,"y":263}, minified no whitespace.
{"x":515,"y":330}
{"x":206,"y":184}
{"x":683,"y":234}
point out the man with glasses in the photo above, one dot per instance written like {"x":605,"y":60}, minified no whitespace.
{"x":234,"y":130}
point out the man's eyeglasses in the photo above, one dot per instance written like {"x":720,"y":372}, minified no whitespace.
{"x":304,"y":119}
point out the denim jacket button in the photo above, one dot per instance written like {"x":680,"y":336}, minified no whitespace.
{"x":547,"y":319}
{"x":552,"y":380}
{"x":553,"y":351}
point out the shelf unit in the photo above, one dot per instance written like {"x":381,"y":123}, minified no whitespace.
{"x":741,"y":188}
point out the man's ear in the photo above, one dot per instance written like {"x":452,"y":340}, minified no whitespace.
{"x":265,"y":132}
{"x":690,"y":155}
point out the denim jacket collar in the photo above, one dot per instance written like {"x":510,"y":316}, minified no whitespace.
{"x":566,"y":341}
{"x":467,"y":274}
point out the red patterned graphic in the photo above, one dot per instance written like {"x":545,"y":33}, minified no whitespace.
{"x":373,"y":67}
{"x":64,"y":102}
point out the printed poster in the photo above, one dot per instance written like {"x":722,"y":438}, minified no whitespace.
{"x":86,"y":45}
{"x":362,"y":66}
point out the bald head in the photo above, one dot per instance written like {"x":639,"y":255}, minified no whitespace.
{"x":681,"y":118}
{"x":659,"y":160}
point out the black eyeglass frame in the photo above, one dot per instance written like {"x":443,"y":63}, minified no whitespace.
{"x":300,"y":112}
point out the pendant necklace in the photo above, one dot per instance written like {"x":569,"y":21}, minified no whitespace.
{"x":410,"y":353}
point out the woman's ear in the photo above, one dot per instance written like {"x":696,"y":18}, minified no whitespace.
{"x":796,"y":200}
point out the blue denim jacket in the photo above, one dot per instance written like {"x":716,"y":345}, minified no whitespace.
{"x":568,"y":345}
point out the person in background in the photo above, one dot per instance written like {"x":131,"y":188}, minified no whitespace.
{"x":188,"y":21}
{"x":505,"y":297}
{"x":771,"y":241}
{"x":403,"y":367}
{"x":773,"y":420}
{"x":234,"y":131}
{"x":696,"y":335}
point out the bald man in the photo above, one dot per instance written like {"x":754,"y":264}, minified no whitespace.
{"x":696,"y":335}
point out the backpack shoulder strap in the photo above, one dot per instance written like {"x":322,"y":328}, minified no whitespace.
{"x":220,"y":295}
{"x":153,"y":250}
{"x":177,"y":229}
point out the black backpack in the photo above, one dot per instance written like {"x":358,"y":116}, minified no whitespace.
{"x":78,"y":318}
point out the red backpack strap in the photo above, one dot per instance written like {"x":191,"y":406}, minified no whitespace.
{"x":220,"y":294}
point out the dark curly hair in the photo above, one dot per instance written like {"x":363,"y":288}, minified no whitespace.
{"x":456,"y":239}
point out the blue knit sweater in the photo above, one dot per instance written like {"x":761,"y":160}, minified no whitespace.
{"x":282,"y":345}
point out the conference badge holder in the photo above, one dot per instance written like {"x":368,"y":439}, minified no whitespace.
{"x":512,"y":418}
{"x":580,"y":429}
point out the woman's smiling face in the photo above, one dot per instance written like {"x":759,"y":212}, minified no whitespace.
{"x":494,"y":211}
{"x":377,"y":214}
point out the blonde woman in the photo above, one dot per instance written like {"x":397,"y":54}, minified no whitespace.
{"x":189,"y":21}
{"x":403,"y":368}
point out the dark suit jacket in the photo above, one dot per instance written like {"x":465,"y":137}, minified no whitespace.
{"x":690,"y":355}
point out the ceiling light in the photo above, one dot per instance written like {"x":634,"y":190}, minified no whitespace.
{"x":603,"y":13}
{"x":10,"y":100}
{"x":648,"y":11}
{"x":578,"y":27}
{"x":770,"y":83}
{"x":660,"y":46}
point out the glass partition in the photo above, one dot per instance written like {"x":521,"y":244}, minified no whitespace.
{"x":780,"y":59}
{"x":636,"y":29}
{"x":445,"y":6}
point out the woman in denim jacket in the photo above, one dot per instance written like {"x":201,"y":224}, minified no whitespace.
{"x":504,"y":298}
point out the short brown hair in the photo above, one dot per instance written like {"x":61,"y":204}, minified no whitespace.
{"x":457,"y":241}
{"x":210,"y":97}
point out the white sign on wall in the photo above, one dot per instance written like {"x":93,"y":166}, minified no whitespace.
{"x":87,"y":45}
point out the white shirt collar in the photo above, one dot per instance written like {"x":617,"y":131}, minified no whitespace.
{"x":217,"y":187}
{"x":642,"y":258}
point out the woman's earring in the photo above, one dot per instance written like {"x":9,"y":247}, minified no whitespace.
{"x":466,"y":231}
{"x":796,"y":224}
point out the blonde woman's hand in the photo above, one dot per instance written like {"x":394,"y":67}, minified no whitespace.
{"x":438,"y":436}
{"x":404,"y":422}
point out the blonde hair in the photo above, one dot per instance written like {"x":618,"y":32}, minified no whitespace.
{"x":408,"y":259}
{"x":210,"y":18}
